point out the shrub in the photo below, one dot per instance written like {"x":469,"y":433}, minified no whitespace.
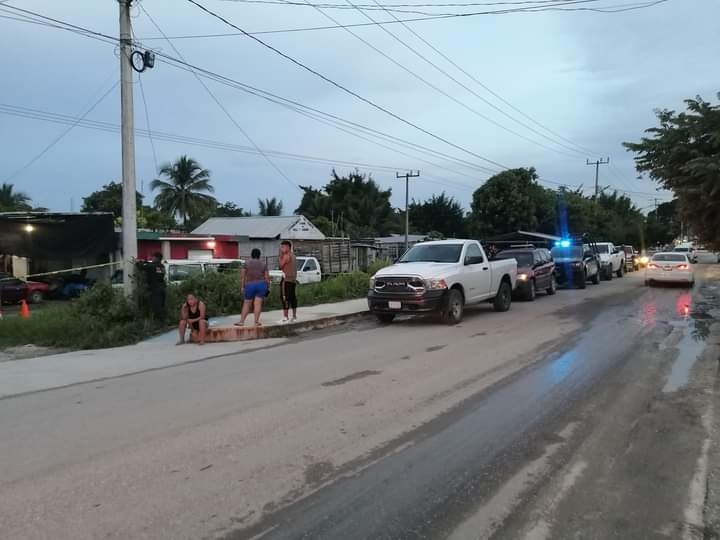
{"x":377,"y":265}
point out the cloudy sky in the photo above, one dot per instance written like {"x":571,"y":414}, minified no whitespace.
{"x":591,"y":78}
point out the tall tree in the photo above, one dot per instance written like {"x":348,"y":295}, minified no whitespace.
{"x":13,"y":201}
{"x":512,"y":200}
{"x":270,"y":207}
{"x":440,"y":213}
{"x":185,"y":193}
{"x":683,"y":154}
{"x":108,"y":199}
{"x":354,"y":203}
{"x":663,"y":224}
{"x":229,"y":209}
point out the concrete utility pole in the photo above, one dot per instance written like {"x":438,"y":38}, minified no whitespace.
{"x":407,"y":176}
{"x":597,"y":173}
{"x":129,"y":215}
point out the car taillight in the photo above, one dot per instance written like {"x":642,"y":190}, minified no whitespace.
{"x":652,"y":265}
{"x":682,"y":267}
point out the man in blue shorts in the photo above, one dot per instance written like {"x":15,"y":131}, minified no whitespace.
{"x":255,"y":283}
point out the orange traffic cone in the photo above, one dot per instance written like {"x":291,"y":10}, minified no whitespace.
{"x":24,"y":310}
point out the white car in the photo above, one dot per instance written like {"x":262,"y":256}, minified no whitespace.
{"x":612,"y":260}
{"x":670,"y":267}
{"x":441,"y":277}
{"x":308,"y":271}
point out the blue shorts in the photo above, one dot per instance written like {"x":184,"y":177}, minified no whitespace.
{"x":255,"y":289}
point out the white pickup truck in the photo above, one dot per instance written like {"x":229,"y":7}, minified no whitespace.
{"x":441,"y":277}
{"x":308,"y":271}
{"x":612,"y":260}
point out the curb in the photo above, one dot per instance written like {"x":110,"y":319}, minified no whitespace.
{"x":218,"y":334}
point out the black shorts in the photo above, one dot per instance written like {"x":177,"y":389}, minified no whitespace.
{"x":287,"y":293}
{"x":196,"y":325}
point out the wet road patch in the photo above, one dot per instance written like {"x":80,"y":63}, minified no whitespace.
{"x":352,"y":377}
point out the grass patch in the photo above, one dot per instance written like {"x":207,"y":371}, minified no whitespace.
{"x":103,"y":317}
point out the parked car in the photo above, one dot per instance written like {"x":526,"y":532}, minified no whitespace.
{"x":612,"y":260}
{"x":576,"y":263}
{"x":13,"y":290}
{"x":671,"y":267}
{"x":441,"y":277}
{"x":308,"y":271}
{"x":689,"y":250}
{"x":535,"y":270}
{"x":631,"y":258}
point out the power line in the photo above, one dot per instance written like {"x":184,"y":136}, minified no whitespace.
{"x":347,"y":90}
{"x":459,"y":83}
{"x":222,"y":107}
{"x":482,"y":85}
{"x":62,"y":135}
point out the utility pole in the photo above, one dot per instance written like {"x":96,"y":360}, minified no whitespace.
{"x":407,"y":176}
{"x":127,"y":129}
{"x":597,"y":173}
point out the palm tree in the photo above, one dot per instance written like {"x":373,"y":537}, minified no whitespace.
{"x":185,"y":194}
{"x":13,"y":201}
{"x":270,"y":207}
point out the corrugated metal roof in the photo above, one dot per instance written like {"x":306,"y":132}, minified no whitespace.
{"x":259,"y":227}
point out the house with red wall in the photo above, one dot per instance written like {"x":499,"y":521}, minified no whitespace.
{"x":187,"y":246}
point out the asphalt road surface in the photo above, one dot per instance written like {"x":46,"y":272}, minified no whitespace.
{"x":588,"y":414}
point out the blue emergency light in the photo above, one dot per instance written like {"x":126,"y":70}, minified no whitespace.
{"x":563,"y":243}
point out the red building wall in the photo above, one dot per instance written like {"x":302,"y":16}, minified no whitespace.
{"x":226,"y":250}
{"x":146,"y":248}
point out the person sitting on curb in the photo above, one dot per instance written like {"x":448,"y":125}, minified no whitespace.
{"x":255,"y":286}
{"x":194,"y":315}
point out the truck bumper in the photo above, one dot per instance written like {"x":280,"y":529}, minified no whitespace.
{"x":427,"y":302}
{"x":566,"y":273}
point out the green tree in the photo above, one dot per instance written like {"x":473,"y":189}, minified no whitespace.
{"x":229,"y":209}
{"x":155,"y":220}
{"x":13,"y":201}
{"x":683,"y":155}
{"x":439,"y":214}
{"x":185,"y":193}
{"x":270,"y":207}
{"x":510,"y":201}
{"x":108,"y":199}
{"x":355,"y":203}
{"x":662,"y":225}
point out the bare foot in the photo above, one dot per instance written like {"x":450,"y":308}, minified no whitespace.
{"x":241,"y":323}
{"x":181,"y":342}
{"x":201,"y":343}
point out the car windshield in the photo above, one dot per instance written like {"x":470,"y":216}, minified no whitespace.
{"x":603,"y":248}
{"x":179,"y":272}
{"x":442,"y":253}
{"x":523,"y":259}
{"x":682,"y":249}
{"x":669,"y":257}
{"x":572,"y":252}
{"x":299,"y":264}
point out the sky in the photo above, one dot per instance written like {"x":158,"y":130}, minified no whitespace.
{"x":593,"y":79}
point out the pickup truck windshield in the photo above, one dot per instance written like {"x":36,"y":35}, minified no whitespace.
{"x":572,"y":252}
{"x":603,"y":249}
{"x":442,"y":253}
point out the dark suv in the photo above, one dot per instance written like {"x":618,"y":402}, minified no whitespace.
{"x":576,"y":263}
{"x":535,"y":270}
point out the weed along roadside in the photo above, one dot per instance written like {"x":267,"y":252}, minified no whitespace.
{"x":102,"y":317}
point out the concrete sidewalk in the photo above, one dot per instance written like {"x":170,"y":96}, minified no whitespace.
{"x":54,"y":371}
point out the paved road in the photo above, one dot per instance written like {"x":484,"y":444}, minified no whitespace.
{"x":559,"y":419}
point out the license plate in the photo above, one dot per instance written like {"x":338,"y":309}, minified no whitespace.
{"x":667,"y":269}
{"x":394,"y":305}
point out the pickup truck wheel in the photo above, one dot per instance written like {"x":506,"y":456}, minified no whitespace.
{"x":385,"y":318}
{"x":503,"y":298}
{"x":596,"y":278}
{"x":36,"y":297}
{"x":609,"y":273}
{"x":531,"y":292}
{"x":452,"y":312}
{"x":552,"y":289}
{"x":620,"y":271}
{"x":583,"y":281}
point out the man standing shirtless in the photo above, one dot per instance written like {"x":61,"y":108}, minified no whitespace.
{"x":288,"y":265}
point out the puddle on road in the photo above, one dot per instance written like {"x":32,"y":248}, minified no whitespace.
{"x":689,"y":349}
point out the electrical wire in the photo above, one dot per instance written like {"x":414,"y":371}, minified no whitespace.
{"x":222,"y":107}
{"x":349,"y":91}
{"x":62,"y":135}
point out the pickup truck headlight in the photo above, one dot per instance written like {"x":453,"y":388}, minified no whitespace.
{"x":372,"y":283}
{"x":435,"y":284}
{"x":522,"y":277}
{"x":577,"y":265}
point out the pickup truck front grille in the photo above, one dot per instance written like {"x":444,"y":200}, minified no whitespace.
{"x":399,"y":284}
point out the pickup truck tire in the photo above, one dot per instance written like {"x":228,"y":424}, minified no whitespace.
{"x":36,"y":297}
{"x":503,"y":298}
{"x":385,"y":318}
{"x":609,"y":273}
{"x":552,"y":289}
{"x":453,"y":308}
{"x":531,"y":292}
{"x":596,"y":278}
{"x":583,"y":281}
{"x":620,"y":271}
